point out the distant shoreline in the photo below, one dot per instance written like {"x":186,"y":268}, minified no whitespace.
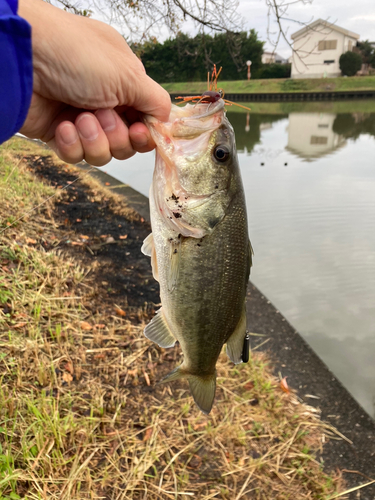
{"x":294,"y":96}
{"x":356,"y":87}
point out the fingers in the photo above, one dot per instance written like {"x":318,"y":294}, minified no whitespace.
{"x":117,"y":134}
{"x":93,"y":139}
{"x":141,"y":138}
{"x":66,"y":143}
{"x":98,"y":137}
{"x":85,"y":139}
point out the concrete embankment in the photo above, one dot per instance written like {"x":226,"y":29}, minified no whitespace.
{"x":294,"y":96}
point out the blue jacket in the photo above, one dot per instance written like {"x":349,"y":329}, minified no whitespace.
{"x":16,"y":70}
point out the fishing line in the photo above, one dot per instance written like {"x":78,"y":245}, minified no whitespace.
{"x":44,"y":201}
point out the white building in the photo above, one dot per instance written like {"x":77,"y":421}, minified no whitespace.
{"x":317,"y":49}
{"x":272,"y":57}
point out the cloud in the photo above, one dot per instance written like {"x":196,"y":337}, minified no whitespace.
{"x":364,"y":17}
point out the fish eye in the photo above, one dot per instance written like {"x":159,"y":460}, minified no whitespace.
{"x":221,"y":153}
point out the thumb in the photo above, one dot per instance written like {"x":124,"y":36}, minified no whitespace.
{"x":152,"y":99}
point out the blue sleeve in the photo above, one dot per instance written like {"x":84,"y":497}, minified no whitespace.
{"x":16,"y":70}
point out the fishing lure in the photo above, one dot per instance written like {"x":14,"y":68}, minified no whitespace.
{"x":213,"y":94}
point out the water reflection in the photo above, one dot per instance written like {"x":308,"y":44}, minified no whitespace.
{"x":248,"y":128}
{"x":309,"y":180}
{"x":312,"y":231}
{"x":352,"y":125}
{"x":311,"y":135}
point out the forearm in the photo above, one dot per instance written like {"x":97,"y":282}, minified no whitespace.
{"x":16,"y":70}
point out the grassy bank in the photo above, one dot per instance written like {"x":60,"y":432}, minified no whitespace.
{"x":80,"y":414}
{"x":279,"y":85}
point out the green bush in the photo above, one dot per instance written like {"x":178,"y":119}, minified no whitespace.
{"x":273,"y":71}
{"x":350,"y":63}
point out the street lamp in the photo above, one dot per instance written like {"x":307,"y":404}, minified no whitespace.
{"x":248,"y":69}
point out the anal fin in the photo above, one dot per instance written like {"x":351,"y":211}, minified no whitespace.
{"x":159,"y":332}
{"x":236,"y":340}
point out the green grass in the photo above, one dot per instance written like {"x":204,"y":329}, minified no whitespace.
{"x":279,"y":85}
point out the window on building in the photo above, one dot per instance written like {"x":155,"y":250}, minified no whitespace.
{"x":318,"y":139}
{"x":329,"y":61}
{"x":323,"y":125}
{"x":350,"y":45}
{"x":327,"y":45}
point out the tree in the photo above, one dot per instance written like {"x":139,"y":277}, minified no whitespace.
{"x":187,"y":58}
{"x":350,"y":63}
{"x":141,"y":20}
{"x":367,"y":51}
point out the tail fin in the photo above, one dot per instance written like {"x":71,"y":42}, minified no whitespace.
{"x":203,"y":391}
{"x":202,"y":388}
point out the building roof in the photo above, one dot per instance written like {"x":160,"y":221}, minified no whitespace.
{"x":326,"y":24}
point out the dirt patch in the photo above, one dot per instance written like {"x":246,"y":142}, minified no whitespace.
{"x":100,"y":236}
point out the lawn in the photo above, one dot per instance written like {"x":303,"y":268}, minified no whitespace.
{"x":81,"y":415}
{"x":279,"y":85}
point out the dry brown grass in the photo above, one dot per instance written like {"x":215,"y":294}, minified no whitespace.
{"x":80,"y":414}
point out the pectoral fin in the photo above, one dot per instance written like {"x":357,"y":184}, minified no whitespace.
{"x":236,"y":340}
{"x":148,"y":248}
{"x":159,"y":332}
{"x":148,"y":245}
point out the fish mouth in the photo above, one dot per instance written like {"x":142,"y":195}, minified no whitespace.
{"x":198,"y":111}
{"x":188,"y":121}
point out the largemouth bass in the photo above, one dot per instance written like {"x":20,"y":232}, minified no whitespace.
{"x":199,"y":245}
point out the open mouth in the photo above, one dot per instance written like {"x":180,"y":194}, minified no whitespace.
{"x":197,"y":111}
{"x":189,"y":120}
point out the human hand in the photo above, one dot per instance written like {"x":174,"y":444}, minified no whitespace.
{"x":89,"y":89}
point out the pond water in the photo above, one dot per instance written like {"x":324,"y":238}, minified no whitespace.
{"x":309,"y":179}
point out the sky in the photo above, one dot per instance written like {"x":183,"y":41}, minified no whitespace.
{"x":358,"y":16}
